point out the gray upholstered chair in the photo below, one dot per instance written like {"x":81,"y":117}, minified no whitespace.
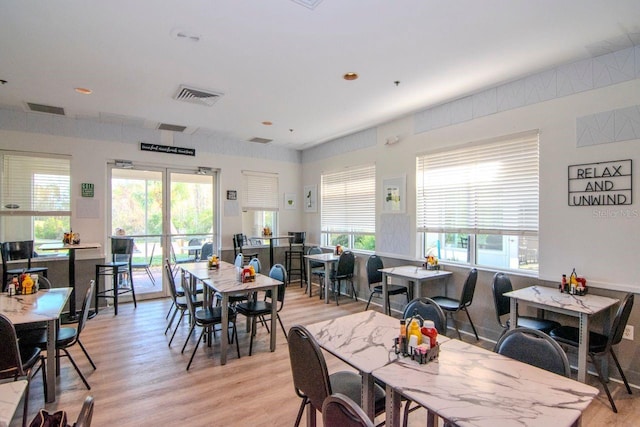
{"x":536,"y":348}
{"x":340,"y":411}
{"x":374,"y":277}
{"x":452,"y":306}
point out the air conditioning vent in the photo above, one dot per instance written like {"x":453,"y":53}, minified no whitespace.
{"x":172,"y":128}
{"x":40,"y":108}
{"x":309,"y":4}
{"x":197,"y":96}
{"x":260,"y":140}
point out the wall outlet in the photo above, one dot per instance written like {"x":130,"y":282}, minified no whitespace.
{"x":628,"y":333}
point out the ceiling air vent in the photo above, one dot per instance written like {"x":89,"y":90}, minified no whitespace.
{"x":260,"y":140}
{"x":172,"y":128}
{"x":40,"y":108}
{"x":197,"y":96}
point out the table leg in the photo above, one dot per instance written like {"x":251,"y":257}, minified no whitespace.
{"x":270,"y":253}
{"x":385,"y":280}
{"x":583,"y":346}
{"x":327,"y":281}
{"x":513,"y":318}
{"x":51,"y":361}
{"x":368,"y":395}
{"x":274,"y":316}
{"x":392,"y":408}
{"x":309,"y":277}
{"x":72,"y":316}
{"x":224,"y":336}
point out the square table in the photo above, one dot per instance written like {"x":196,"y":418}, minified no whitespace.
{"x":44,"y":305}
{"x":471,"y":386}
{"x":10,"y":396}
{"x":363,"y":340}
{"x":582,"y":307}
{"x":412,"y":273}
{"x":328,"y":259}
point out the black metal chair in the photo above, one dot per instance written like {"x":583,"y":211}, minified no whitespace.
{"x":339,"y":410}
{"x":121,"y":256}
{"x":344,"y":271}
{"x":452,"y":306}
{"x":599,"y":344}
{"x":534,"y":347}
{"x":15,"y":251}
{"x":502,"y":284}
{"x":260,"y":309}
{"x":311,"y":379}
{"x":239,"y":241}
{"x":179,"y":301}
{"x":317,"y":269}
{"x":294,"y":256}
{"x":146,"y":266}
{"x":18,"y":361}
{"x":374,"y":264}
{"x":207,"y":251}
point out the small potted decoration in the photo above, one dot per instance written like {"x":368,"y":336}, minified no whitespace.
{"x":432,"y":263}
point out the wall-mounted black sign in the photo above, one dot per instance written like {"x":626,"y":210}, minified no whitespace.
{"x":167,"y":149}
{"x":600,"y":184}
{"x":232,"y":195}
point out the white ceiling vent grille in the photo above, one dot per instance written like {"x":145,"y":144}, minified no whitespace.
{"x":260,"y":140}
{"x":172,"y":128}
{"x":41,"y":108}
{"x":197,"y":96}
{"x":309,"y":4}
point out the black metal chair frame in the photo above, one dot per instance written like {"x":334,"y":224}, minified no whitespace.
{"x":339,"y":410}
{"x":119,"y":246}
{"x":534,"y":347}
{"x":179,"y":302}
{"x":295,"y":253}
{"x":239,"y":241}
{"x":146,"y":266}
{"x":14,"y":251}
{"x":344,"y":271}
{"x":317,"y":269}
{"x":452,"y":306}
{"x":374,"y":264}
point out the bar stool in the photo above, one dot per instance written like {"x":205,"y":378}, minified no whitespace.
{"x":295,"y":254}
{"x":121,"y":254}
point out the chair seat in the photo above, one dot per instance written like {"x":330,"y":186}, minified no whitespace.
{"x":210,"y":315}
{"x":445,"y":303}
{"x":571,"y":336}
{"x":254,"y":308}
{"x":391,"y":289}
{"x":113,"y":264}
{"x":29,"y":356}
{"x":350,"y":384}
{"x":542,"y":325}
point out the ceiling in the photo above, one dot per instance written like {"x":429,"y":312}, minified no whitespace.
{"x":282,"y":61}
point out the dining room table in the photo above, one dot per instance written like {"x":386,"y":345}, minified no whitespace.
{"x":225,"y":280}
{"x":73,"y":314}
{"x":470,"y":386}
{"x":10,"y":395}
{"x":364,"y":341}
{"x":415,"y":275}
{"x":46,"y":305}
{"x":328,"y":259}
{"x":584,"y":307}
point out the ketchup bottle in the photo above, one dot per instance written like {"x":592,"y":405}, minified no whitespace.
{"x":429,"y":330}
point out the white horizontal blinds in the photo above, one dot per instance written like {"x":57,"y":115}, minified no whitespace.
{"x":35,"y":185}
{"x":489,"y":188}
{"x":349,"y":201}
{"x":260,"y":191}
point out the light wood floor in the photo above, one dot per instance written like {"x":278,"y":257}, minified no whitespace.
{"x":142,"y":382}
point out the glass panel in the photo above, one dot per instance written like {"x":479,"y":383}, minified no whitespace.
{"x":447,"y":246}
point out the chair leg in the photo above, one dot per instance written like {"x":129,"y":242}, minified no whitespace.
{"x":84,"y":380}
{"x":84,"y":350}
{"x":25,"y":413}
{"x":596,"y":364}
{"x":176,"y":329}
{"x":169,"y":312}
{"x":171,"y":321}
{"x":624,"y":378}
{"x":153,"y":280}
{"x":188,"y":336}
{"x":369,"y":301}
{"x":301,"y":411}
{"x":253,"y":332}
{"x":455,"y":324}
{"x":283,"y":330}
{"x":470,"y":321}
{"x":196,"y":348}
{"x":43,"y":366}
{"x":133,"y":290}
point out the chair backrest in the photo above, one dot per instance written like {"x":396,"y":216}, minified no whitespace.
{"x":121,"y":246}
{"x":428,"y":309}
{"x":469,"y":288}
{"x":172,"y":282}
{"x":238,"y":242}
{"x":12,"y":251}
{"x":308,"y":367}
{"x":10,"y":361}
{"x":346,"y":264}
{"x":257,"y":266}
{"x":188,"y":296}
{"x":207,"y":250}
{"x":194,"y":242}
{"x":500,"y":285}
{"x":86,"y":303}
{"x":620,"y":320}
{"x":239,"y":262}
{"x":278,"y":272}
{"x":374,"y":263}
{"x":315,"y":250}
{"x":86,"y":413}
{"x":534,"y":348}
{"x":339,"y":410}
{"x":297,"y":238}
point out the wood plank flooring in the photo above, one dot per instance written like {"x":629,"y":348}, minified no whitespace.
{"x":140,"y":381}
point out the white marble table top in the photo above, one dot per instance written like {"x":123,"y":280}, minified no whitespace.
{"x":46,"y":304}
{"x":413,"y":272}
{"x":364,"y":340}
{"x":551,"y":297}
{"x":10,"y":395}
{"x":201,"y":270}
{"x":61,"y":246}
{"x":472,"y":386}
{"x":229,"y":284}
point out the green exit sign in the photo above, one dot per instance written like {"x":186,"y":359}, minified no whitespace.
{"x":87,"y":189}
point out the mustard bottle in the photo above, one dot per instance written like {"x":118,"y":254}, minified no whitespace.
{"x":414,"y":331}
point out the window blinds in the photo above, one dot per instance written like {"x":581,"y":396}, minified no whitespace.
{"x":349,"y":201}
{"x":33,"y":185}
{"x":487,"y":188}
{"x":260,"y":191}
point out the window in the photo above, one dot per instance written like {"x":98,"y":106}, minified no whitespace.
{"x":259,"y":203}
{"x":479,"y":204}
{"x":35,"y":198}
{"x":348,"y":213}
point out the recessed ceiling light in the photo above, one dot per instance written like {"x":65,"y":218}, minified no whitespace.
{"x":350,"y":76}
{"x":267,"y":123}
{"x":83,"y":90}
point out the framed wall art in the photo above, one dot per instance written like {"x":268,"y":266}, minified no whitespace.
{"x":394,"y":194}
{"x":310,"y":198}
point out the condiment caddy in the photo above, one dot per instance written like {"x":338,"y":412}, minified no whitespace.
{"x":23,"y":285}
{"x":575,"y":285}
{"x":417,"y":340}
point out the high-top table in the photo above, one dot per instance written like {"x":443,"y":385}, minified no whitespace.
{"x":474,"y":387}
{"x":43,"y":306}
{"x":414,"y":274}
{"x":582,"y":307}
{"x":10,"y":396}
{"x":72,"y":248}
{"x":271,"y":240}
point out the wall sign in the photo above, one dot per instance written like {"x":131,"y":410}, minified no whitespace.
{"x":87,"y":189}
{"x":600,"y":184}
{"x":232,"y":195}
{"x":167,"y":149}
